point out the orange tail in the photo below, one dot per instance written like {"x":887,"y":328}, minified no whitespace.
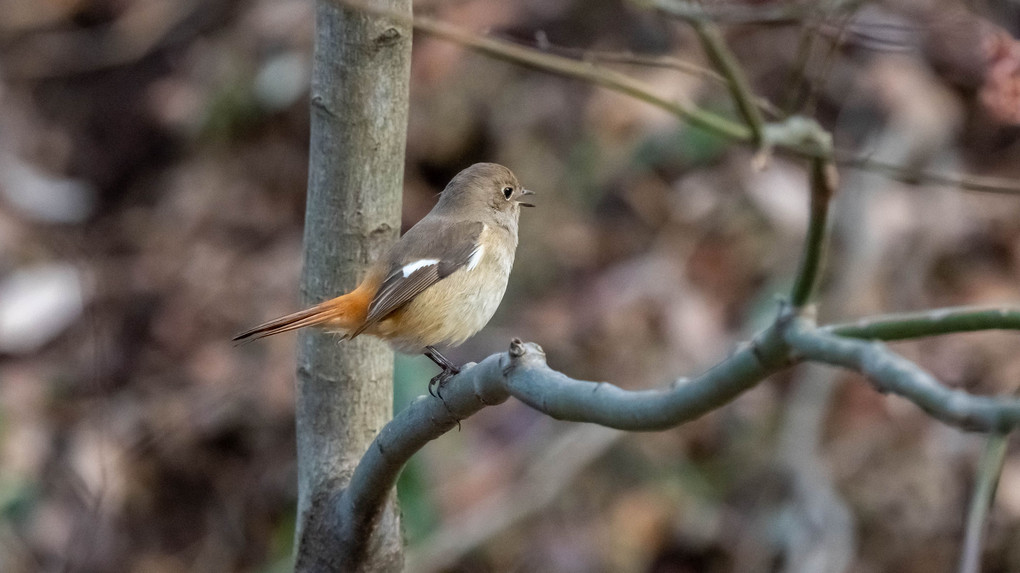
{"x":343,"y":313}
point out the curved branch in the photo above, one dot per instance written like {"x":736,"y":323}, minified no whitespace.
{"x":524,"y":374}
{"x":565,"y":398}
{"x":358,"y":506}
{"x":891,"y":373}
{"x":928,"y":323}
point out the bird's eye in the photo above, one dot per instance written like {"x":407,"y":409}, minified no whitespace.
{"x":508,"y":191}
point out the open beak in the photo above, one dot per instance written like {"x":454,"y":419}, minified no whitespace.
{"x":523,"y":193}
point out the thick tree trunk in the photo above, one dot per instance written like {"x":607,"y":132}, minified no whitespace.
{"x":344,"y":391}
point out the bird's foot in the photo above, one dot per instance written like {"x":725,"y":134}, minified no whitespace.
{"x":440,"y":380}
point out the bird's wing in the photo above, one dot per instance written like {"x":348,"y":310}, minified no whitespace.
{"x":426,"y":254}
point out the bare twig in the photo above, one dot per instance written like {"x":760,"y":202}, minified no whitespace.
{"x":928,"y":323}
{"x":583,"y":70}
{"x":648,"y":60}
{"x":628,"y":58}
{"x":823,"y":188}
{"x":837,"y":36}
{"x":799,"y":69}
{"x":778,"y":135}
{"x":732,"y":13}
{"x":919,"y":176}
{"x":988,"y":473}
{"x":740,"y":88}
{"x":533,"y":58}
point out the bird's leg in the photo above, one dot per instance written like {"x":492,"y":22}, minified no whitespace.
{"x":449,"y":370}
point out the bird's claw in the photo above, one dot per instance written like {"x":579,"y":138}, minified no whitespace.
{"x":440,"y":380}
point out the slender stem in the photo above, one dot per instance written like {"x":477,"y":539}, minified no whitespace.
{"x":790,"y":141}
{"x":815,"y":85}
{"x":737,"y":13}
{"x":799,"y":70}
{"x":989,"y":470}
{"x":929,"y":323}
{"x":740,"y":88}
{"x":823,"y":187}
{"x":630,"y":58}
{"x":652,"y":61}
{"x":917,"y":176}
{"x":588,"y":71}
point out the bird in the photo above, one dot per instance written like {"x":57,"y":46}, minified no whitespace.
{"x":440,"y":283}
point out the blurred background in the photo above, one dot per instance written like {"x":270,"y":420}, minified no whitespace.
{"x":153,"y":162}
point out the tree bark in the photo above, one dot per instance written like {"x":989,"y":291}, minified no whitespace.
{"x":359,"y":106}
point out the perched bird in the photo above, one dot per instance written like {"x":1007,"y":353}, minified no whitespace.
{"x":440,"y":283}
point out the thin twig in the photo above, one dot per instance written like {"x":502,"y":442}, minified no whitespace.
{"x":628,"y":58}
{"x":823,"y":188}
{"x":928,"y":323}
{"x":740,"y":88}
{"x":775,"y":134}
{"x":918,"y":176}
{"x":732,"y":13}
{"x":989,"y":470}
{"x":588,"y":71}
{"x":648,"y":60}
{"x":798,"y":71}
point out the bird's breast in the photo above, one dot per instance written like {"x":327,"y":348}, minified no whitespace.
{"x":455,"y":308}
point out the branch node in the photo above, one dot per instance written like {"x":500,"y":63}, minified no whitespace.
{"x":388,"y":37}
{"x":517,"y":348}
{"x":756,"y":351}
{"x":520,"y":351}
{"x":318,"y":102}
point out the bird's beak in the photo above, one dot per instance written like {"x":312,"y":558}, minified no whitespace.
{"x":523,"y":193}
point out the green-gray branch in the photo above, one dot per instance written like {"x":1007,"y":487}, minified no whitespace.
{"x":823,"y":187}
{"x":564,"y":398}
{"x":891,"y":373}
{"x":928,"y":323}
{"x":740,"y":88}
{"x":524,"y":374}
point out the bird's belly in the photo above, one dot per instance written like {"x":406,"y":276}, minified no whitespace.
{"x":452,"y":310}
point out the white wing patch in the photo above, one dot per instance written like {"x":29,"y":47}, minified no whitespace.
{"x":411,"y":267}
{"x":476,"y":256}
